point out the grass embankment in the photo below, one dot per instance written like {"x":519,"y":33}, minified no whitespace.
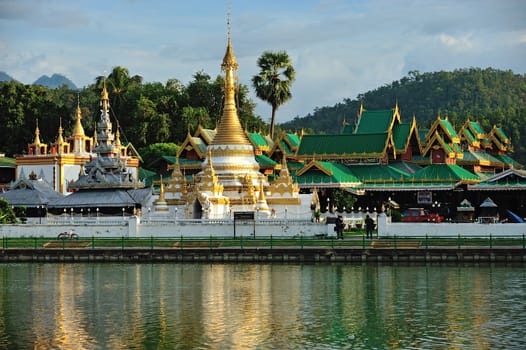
{"x":352,"y":239}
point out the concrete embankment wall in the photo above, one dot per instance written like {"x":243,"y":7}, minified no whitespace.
{"x":269,"y":255}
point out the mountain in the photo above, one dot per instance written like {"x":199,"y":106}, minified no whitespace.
{"x":56,"y":80}
{"x":5,"y":77}
{"x":489,"y":96}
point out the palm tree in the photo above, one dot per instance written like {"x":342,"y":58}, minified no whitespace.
{"x":273,"y":83}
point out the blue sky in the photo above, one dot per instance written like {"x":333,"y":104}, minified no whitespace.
{"x":340,"y":48}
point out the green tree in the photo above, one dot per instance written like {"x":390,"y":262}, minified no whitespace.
{"x":273,"y":83}
{"x":7,"y":215}
{"x":154,"y":151}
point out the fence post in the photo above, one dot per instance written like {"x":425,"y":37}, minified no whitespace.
{"x":151,"y":242}
{"x":301,"y":241}
{"x":241,"y":242}
{"x":122,"y":242}
{"x":490,"y":241}
{"x":92,"y":242}
{"x":427,"y":242}
{"x":363,"y":241}
{"x":523,"y":242}
{"x":35,"y":244}
{"x":181,"y":244}
{"x":394,"y":237}
{"x":458,"y":241}
{"x":271,"y":241}
{"x":210,"y":242}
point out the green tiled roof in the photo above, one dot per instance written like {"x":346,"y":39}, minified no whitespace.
{"x":259,"y":141}
{"x":188,"y":162}
{"x":286,"y":149}
{"x":169,"y":159}
{"x":506,"y":180}
{"x":374,"y":122}
{"x":7,"y":162}
{"x":340,"y":176}
{"x":409,"y":186}
{"x":147,"y":176}
{"x":265,"y":161}
{"x":502,"y":135}
{"x":343,"y":146}
{"x":293,"y":140}
{"x":401,"y":135}
{"x":348,"y":129}
{"x":377,"y":173}
{"x":209,"y":133}
{"x":447,"y":126}
{"x":469,"y":136}
{"x":477,"y":128}
{"x":480,"y":157}
{"x":504,"y":158}
{"x":422,"y":134}
{"x":407,"y":167}
{"x":200,"y":144}
{"x":444,"y":173}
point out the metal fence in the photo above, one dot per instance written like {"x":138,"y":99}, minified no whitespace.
{"x":300,"y":242}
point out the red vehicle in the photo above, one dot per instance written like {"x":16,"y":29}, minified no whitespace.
{"x":420,"y":215}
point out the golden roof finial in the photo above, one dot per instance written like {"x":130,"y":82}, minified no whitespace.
{"x":230,"y":130}
{"x":37,"y":135}
{"x":78,"y":130}
{"x":161,"y":190}
{"x":104,"y":99}
{"x":60,"y":139}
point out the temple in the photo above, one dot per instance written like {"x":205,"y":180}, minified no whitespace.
{"x":222,"y":171}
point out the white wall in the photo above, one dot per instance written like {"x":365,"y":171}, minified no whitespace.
{"x":402,"y":229}
{"x":132,"y":227}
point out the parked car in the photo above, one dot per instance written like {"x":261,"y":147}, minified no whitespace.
{"x":420,"y":215}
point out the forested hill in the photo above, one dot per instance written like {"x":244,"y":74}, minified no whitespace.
{"x":490,"y":96}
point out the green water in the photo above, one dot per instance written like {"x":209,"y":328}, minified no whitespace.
{"x":246,"y":306}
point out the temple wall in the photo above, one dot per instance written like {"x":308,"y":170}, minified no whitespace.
{"x":402,"y":229}
{"x":132,"y":227}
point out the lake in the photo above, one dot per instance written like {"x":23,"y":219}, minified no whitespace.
{"x":263,"y":306}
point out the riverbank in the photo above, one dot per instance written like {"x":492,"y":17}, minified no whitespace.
{"x":281,"y":254}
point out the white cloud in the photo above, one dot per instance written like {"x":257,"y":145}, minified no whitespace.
{"x":459,"y":43}
{"x":340,"y":48}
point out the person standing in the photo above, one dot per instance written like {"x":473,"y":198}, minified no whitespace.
{"x":339,"y":227}
{"x":369,"y":226}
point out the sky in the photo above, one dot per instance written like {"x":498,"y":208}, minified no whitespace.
{"x":339,"y":48}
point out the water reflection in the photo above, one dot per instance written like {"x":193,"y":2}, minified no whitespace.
{"x":166,"y":306}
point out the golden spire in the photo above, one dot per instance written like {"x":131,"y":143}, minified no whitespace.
{"x":118,"y":137}
{"x":78,"y":130}
{"x":104,"y":99}
{"x":37,"y":135}
{"x":161,"y":190}
{"x":230,"y":131}
{"x":60,"y":139}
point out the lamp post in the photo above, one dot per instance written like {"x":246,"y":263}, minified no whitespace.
{"x":71,"y":213}
{"x":89,"y":212}
{"x":328,"y":204}
{"x":123,"y":213}
{"x":39,"y":207}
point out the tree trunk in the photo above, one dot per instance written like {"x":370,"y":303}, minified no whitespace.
{"x":272,"y":120}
